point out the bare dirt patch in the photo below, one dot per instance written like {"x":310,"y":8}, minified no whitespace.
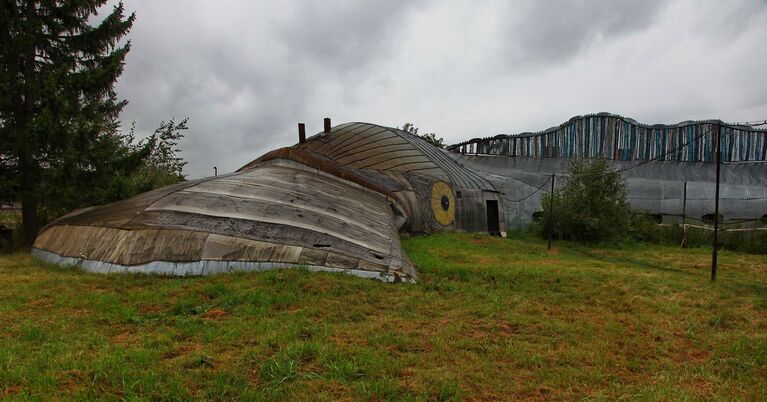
{"x":214,"y":314}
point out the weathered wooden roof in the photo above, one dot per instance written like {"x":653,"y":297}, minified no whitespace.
{"x":336,"y":201}
{"x":280,"y":213}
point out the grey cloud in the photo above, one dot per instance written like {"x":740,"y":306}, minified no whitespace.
{"x":726,"y":24}
{"x":244,"y":83}
{"x":344,"y":36}
{"x":246,"y":72}
{"x":553,"y":31}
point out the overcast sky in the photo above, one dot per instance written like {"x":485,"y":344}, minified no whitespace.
{"x":245,"y":72}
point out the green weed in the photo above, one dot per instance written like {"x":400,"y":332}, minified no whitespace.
{"x":489,"y":319}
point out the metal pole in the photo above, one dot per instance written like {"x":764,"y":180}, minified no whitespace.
{"x":215,"y":171}
{"x":301,"y":133}
{"x":716,"y":202}
{"x":684,"y":216}
{"x":551,"y":211}
{"x":684,"y":203}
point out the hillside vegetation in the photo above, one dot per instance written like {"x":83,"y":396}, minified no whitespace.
{"x":490,"y":319}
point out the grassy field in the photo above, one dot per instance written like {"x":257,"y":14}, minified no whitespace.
{"x":490,"y":319}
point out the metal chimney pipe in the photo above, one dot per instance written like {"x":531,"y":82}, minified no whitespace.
{"x":301,"y":133}
{"x":327,"y":125}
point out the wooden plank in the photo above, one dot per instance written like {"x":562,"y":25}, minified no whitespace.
{"x":368,"y":266}
{"x":229,"y":207}
{"x":297,"y":188}
{"x":295,"y":191}
{"x":132,"y":250}
{"x":80,"y":241}
{"x":262,"y":231}
{"x":298,"y":180}
{"x":341,"y":261}
{"x":340,"y":205}
{"x":319,"y":203}
{"x":123,"y":247}
{"x":120,"y":213}
{"x":130,"y":247}
{"x":142,"y":246}
{"x":228,"y":248}
{"x":310,"y":256}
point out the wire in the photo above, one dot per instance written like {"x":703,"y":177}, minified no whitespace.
{"x":742,"y":162}
{"x":730,"y":222}
{"x":502,"y":177}
{"x":536,"y":190}
{"x":697,"y":198}
{"x":721,"y":230}
{"x":738,"y":221}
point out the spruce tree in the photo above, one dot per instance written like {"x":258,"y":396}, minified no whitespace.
{"x":58,"y":108}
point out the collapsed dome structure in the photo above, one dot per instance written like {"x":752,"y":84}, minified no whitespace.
{"x":339,"y":200}
{"x":336,"y":201}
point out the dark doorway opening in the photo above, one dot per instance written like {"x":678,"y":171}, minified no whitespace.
{"x":493,"y":224}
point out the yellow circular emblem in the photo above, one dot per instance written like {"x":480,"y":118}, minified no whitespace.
{"x":442,"y":202}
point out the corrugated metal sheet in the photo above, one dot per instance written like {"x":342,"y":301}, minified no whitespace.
{"x":655,"y":187}
{"x":610,"y":136}
{"x":373,"y":147}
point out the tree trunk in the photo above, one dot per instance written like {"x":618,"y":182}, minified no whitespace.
{"x":27,"y":164}
{"x":29,"y":200}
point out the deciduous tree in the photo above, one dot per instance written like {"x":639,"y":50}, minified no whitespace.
{"x":431,"y":138}
{"x":591,"y":206}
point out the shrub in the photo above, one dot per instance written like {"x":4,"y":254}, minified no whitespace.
{"x":591,"y":204}
{"x":644,"y":229}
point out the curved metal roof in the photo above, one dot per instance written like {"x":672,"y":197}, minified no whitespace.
{"x":374,"y":147}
